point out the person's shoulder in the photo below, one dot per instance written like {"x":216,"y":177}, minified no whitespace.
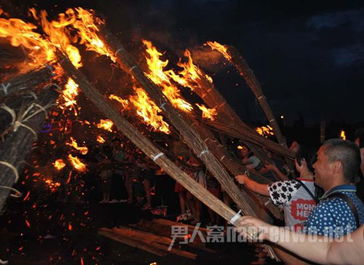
{"x":334,"y":204}
{"x":285,"y":184}
{"x":329,"y":203}
{"x":323,"y":209}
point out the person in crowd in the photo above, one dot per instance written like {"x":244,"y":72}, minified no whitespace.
{"x":184,"y":202}
{"x":348,"y":250}
{"x":271,"y":170}
{"x":147,"y":178}
{"x":295,"y":196}
{"x":117,"y":178}
{"x":104,"y":166}
{"x":275,"y":169}
{"x":359,"y":141}
{"x":105,"y":176}
{"x":198,"y":173}
{"x":248,"y":159}
{"x":339,"y":210}
{"x":190,"y":206}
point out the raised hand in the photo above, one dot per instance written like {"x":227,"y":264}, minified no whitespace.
{"x":302,"y":168}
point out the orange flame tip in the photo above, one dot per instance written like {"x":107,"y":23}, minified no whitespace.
{"x":220,"y":48}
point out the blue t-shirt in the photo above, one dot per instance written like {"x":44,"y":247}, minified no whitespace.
{"x":333,"y":216}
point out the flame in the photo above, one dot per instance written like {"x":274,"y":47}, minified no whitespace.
{"x":343,"y":135}
{"x":190,"y":73}
{"x":69,"y":95}
{"x":220,"y":48}
{"x":145,"y":108}
{"x":59,"y":35}
{"x":105,"y":124}
{"x":207,"y":113}
{"x":83,"y":149}
{"x":75,"y":26}
{"x":59,"y":164}
{"x":149,"y":111}
{"x":123,"y":102}
{"x":159,"y":77}
{"x":87,"y":26}
{"x":100,"y":139}
{"x":265,"y":131}
{"x":76,"y":163}
{"x":22,"y":34}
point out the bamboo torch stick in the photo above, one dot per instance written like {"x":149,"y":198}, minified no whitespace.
{"x":143,"y":143}
{"x":233,"y":55}
{"x":148,"y":148}
{"x":190,"y":136}
{"x":226,"y":115}
{"x":249,"y":76}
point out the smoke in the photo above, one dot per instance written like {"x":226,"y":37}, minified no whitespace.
{"x":211,"y":60}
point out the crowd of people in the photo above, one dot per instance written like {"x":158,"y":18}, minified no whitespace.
{"x":129,"y":177}
{"x":319,"y":197}
{"x":331,"y":226}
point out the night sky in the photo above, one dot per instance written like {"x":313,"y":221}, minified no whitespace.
{"x":308,"y":55}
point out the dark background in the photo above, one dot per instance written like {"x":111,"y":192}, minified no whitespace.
{"x":308,"y":55}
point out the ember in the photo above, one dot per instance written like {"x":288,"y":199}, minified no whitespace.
{"x":76,"y":163}
{"x":100,"y":139}
{"x":105,"y":124}
{"x":83,"y":149}
{"x":59,"y":164}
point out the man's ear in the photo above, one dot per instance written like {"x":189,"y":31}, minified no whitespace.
{"x":337,"y":167}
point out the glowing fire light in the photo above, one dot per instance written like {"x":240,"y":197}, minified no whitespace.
{"x":75,"y":26}
{"x":100,"y":139}
{"x":105,"y":124}
{"x":59,"y":35}
{"x":87,"y":26}
{"x":83,"y":149}
{"x":159,"y":77}
{"x":187,"y":77}
{"x":265,"y":131}
{"x":123,"y":102}
{"x":149,"y":111}
{"x":51,"y":184}
{"x":76,"y":163}
{"x":220,"y":48}
{"x":343,"y":135}
{"x":207,"y":113}
{"x":69,"y":95}
{"x":190,"y":73}
{"x":22,"y":34}
{"x":145,"y":108}
{"x":59,"y":164}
